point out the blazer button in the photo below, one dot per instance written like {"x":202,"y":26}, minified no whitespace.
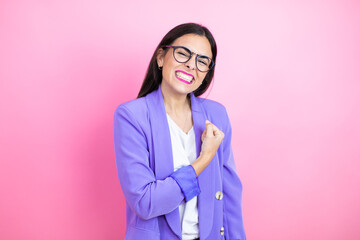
{"x":222,"y":230}
{"x":219,"y":195}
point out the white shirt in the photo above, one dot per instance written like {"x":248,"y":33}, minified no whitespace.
{"x":184,"y":153}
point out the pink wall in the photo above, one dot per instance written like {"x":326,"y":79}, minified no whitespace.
{"x":288,"y":73}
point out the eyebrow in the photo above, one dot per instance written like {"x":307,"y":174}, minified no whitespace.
{"x":195,"y":52}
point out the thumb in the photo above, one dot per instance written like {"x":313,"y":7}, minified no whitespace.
{"x":209,"y":129}
{"x":203,"y":135}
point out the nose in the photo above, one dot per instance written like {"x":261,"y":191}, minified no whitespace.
{"x":191,"y":63}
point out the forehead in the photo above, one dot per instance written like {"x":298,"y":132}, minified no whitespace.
{"x":196,"y":43}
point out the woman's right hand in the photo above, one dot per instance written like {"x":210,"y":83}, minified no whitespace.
{"x":211,"y":140}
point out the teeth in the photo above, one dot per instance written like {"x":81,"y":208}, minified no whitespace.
{"x":184,"y":76}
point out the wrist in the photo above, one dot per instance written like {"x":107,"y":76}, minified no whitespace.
{"x":205,"y":156}
{"x":201,"y":163}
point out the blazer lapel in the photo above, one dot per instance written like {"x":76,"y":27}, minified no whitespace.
{"x":206,"y":178}
{"x":164,"y":165}
{"x":163,"y":157}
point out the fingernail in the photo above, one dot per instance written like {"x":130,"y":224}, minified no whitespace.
{"x":207,"y":121}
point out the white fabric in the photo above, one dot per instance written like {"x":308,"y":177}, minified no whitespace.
{"x":184,"y":153}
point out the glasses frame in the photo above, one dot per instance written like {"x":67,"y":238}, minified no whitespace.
{"x":212,"y":64}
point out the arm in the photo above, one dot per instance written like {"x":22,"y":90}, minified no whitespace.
{"x":146,"y":195}
{"x":232,"y":189}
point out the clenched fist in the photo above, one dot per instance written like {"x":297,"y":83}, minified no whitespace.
{"x":211,"y":139}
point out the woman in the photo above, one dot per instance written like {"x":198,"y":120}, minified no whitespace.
{"x":173,"y":149}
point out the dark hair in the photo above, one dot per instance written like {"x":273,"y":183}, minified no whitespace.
{"x":153,"y":75}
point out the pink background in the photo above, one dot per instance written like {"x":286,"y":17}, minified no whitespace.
{"x":287,"y":71}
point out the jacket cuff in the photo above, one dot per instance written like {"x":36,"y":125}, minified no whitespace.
{"x":188,"y":182}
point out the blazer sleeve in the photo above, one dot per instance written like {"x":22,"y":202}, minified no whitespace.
{"x":232,"y":190}
{"x":144,"y":194}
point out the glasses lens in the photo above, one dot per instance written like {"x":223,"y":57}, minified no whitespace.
{"x":204,"y":63}
{"x":182,"y":54}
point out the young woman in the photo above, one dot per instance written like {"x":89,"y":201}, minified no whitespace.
{"x":173,"y":150}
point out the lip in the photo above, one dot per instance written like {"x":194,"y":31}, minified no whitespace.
{"x":185,"y":74}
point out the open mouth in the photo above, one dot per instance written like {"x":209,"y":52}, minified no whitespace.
{"x":184,"y":77}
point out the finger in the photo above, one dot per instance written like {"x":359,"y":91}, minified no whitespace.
{"x":204,"y":132}
{"x":209,"y":130}
{"x":218,"y":133}
{"x":215,"y":127}
{"x":203,"y":135}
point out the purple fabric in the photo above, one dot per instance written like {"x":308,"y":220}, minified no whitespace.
{"x":145,"y":166}
{"x":186,"y":178}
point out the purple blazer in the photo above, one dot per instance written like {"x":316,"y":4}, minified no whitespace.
{"x":145,"y":164}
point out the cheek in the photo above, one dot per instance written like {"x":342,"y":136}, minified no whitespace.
{"x":168,"y":60}
{"x":200,"y":80}
{"x":201,"y":76}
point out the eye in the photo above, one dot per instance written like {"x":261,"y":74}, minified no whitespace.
{"x":182,"y":52}
{"x":204,"y":61}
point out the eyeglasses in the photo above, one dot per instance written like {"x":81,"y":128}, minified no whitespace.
{"x":183,"y":55}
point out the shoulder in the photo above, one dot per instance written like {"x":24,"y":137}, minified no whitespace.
{"x":135,"y":111}
{"x":215,"y":112}
{"x":212,"y":108}
{"x":135,"y":106}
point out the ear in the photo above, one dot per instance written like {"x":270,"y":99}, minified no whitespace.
{"x":160,"y":54}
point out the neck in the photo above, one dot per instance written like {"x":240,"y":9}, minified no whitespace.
{"x":175,"y":103}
